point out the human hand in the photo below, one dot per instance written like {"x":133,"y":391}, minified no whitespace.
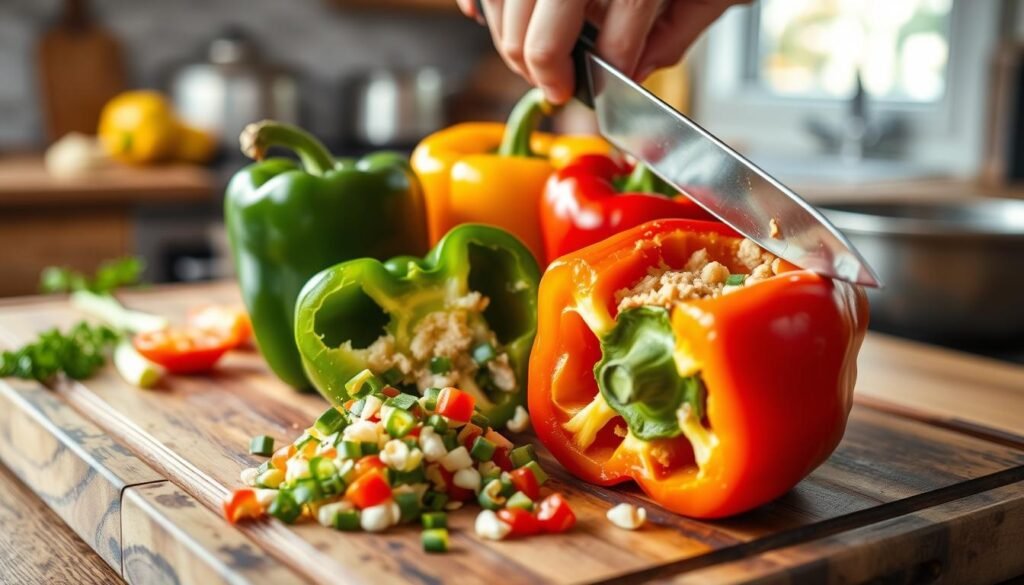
{"x":536,"y":37}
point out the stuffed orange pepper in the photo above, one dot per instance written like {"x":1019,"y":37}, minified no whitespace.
{"x":685,"y":358}
{"x":493,"y":173}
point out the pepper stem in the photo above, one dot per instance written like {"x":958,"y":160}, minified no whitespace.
{"x":257,"y":138}
{"x":643,"y":180}
{"x":522,"y":122}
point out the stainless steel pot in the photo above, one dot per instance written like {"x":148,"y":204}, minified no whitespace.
{"x":233,"y":85}
{"x":953,"y":271}
{"x":394,"y":108}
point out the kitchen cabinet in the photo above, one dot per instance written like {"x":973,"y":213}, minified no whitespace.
{"x":79,"y":222}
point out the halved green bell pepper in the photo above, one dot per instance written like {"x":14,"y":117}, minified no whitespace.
{"x":286,"y":221}
{"x":345,"y":308}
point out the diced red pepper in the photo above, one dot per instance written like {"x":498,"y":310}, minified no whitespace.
{"x":368,"y":490}
{"x":390,"y":391}
{"x":455,"y":404}
{"x":367,"y":464}
{"x":241,"y":505}
{"x":522,"y":522}
{"x":555,"y":515}
{"x":526,"y":482}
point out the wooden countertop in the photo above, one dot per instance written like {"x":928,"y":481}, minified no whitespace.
{"x":24,"y":182}
{"x":929,"y":477}
{"x":36,"y":546}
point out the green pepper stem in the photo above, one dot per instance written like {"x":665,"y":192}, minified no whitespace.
{"x":643,"y":180}
{"x":257,"y":138}
{"x":522,"y":122}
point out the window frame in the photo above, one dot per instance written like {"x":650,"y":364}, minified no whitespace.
{"x":947,"y":134}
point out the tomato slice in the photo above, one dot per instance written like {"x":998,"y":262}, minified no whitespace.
{"x":522,"y":522}
{"x":231,"y":321}
{"x":526,"y":482}
{"x":182,"y":350}
{"x":241,"y":505}
{"x":369,"y":490}
{"x":555,"y":515}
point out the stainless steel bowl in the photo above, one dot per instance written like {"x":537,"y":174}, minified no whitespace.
{"x":953,"y":271}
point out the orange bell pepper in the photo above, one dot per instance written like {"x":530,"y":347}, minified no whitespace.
{"x":492,"y":173}
{"x":713,"y":407}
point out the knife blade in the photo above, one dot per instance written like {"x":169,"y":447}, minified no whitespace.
{"x":705,"y":169}
{"x":715,"y":176}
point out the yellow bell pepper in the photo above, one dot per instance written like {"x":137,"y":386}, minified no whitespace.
{"x":139,"y":127}
{"x":492,"y":173}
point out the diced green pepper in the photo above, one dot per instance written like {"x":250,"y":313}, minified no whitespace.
{"x":482,"y":449}
{"x":438,"y":422}
{"x":480,"y":420}
{"x":369,"y":448}
{"x":538,"y":472}
{"x":450,"y":439}
{"x":350,"y":450}
{"x":490,"y":497}
{"x":403,"y":401}
{"x":520,"y":500}
{"x":408,"y":505}
{"x":392,"y":376}
{"x":347,"y":520}
{"x":520,"y":456}
{"x":435,"y":500}
{"x":399,"y":423}
{"x":435,"y":540}
{"x":306,"y":490}
{"x":735,"y":279}
{"x":362,"y":384}
{"x":440,"y":365}
{"x":262,"y":445}
{"x":284,"y":507}
{"x":434,"y":520}
{"x":330,"y":422}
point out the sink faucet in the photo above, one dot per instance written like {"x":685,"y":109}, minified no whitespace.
{"x":857,"y":137}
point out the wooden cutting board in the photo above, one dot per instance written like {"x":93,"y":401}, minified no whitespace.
{"x":911,"y":495}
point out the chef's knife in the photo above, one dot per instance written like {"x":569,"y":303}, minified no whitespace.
{"x":706,"y":170}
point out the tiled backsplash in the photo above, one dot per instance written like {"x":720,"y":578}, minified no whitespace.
{"x":320,"y":41}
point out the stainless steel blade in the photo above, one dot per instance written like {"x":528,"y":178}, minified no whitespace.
{"x":719,"y":179}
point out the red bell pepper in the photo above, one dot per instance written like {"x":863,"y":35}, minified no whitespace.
{"x":596,"y":196}
{"x":712,"y":406}
{"x":555,"y":515}
{"x":368,"y":490}
{"x":242,"y":505}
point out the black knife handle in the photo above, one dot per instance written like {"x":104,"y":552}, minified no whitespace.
{"x":586,"y":43}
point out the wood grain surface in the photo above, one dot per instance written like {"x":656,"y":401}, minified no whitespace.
{"x":37,"y":547}
{"x":194,"y":431}
{"x":168,"y":537}
{"x":71,"y":464}
{"x":957,"y":542}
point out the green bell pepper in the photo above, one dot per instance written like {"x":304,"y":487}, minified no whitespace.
{"x":344,"y":309}
{"x":286,"y":221}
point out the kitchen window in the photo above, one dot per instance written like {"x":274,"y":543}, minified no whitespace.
{"x":777,"y":68}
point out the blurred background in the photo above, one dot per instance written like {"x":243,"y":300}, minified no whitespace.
{"x":891,"y":103}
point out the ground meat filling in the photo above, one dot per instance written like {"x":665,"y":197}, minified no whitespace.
{"x":700,"y":278}
{"x":450,"y":334}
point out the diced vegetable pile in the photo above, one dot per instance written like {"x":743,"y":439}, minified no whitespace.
{"x":387,"y":458}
